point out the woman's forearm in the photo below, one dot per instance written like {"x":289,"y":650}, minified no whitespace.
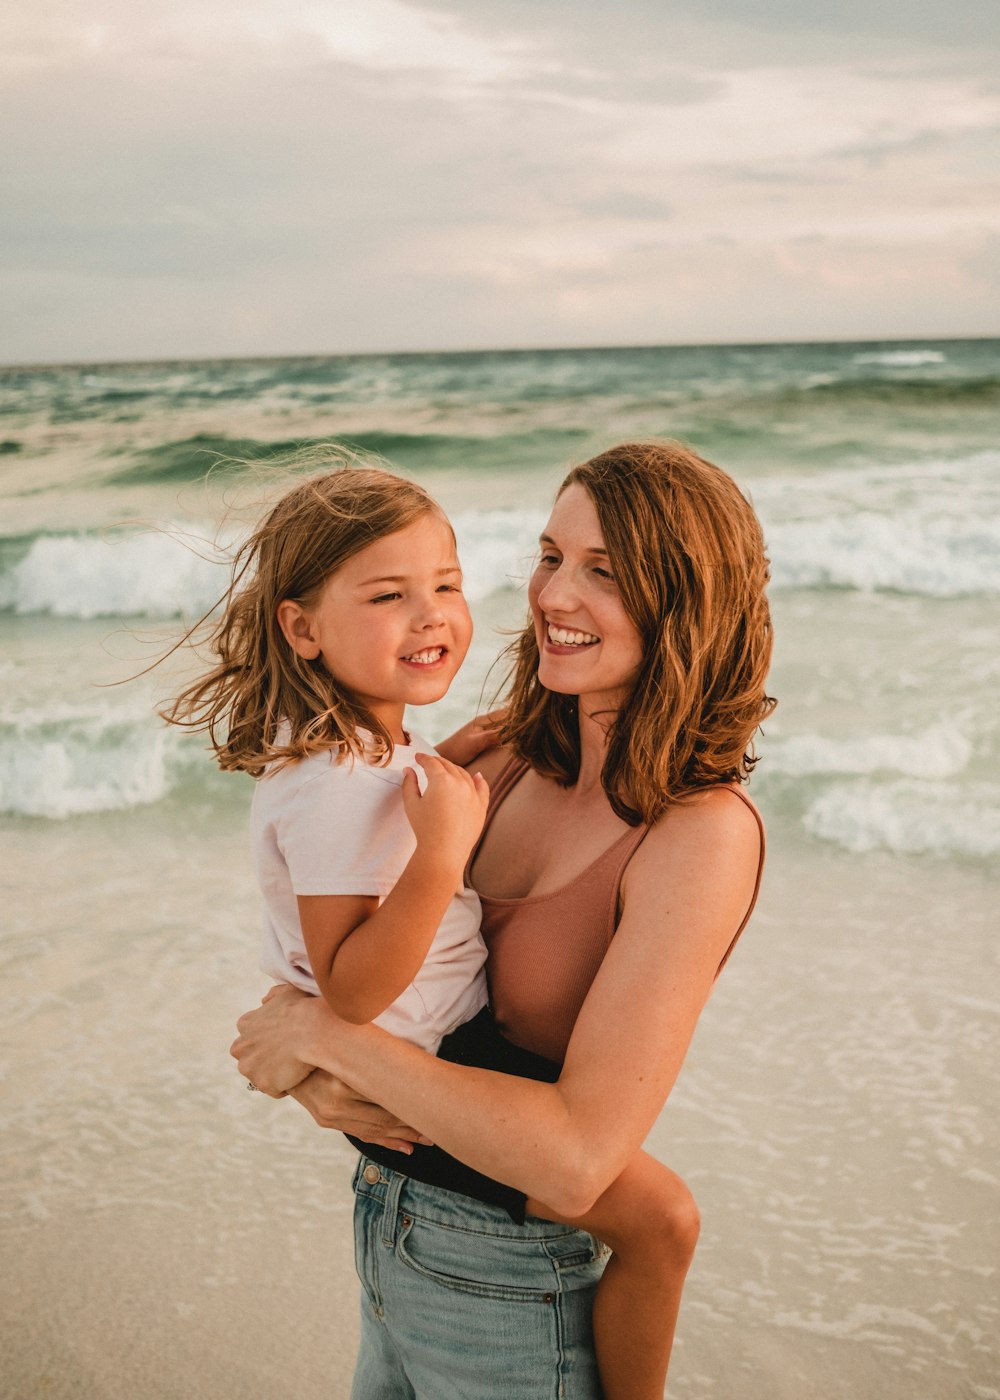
{"x":529,"y":1135}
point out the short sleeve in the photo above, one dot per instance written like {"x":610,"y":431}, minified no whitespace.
{"x":344,"y":831}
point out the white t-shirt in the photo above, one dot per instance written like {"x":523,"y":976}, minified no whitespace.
{"x":319,"y":826}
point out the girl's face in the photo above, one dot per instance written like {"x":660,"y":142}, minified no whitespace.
{"x":392,"y":624}
{"x":587,"y":643}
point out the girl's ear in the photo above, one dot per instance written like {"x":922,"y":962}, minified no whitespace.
{"x":296,"y":624}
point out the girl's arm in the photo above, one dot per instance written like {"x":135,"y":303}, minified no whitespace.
{"x":364,"y":954}
{"x":685,"y":893}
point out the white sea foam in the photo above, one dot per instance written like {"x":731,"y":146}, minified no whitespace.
{"x":496,"y":548}
{"x":909,"y":816}
{"x":167,"y":572}
{"x":171,"y":571}
{"x":903,"y":358}
{"x":66,"y":762}
{"x":906,"y":552}
{"x":940,"y":751}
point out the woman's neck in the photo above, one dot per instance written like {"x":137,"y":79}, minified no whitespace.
{"x":593,"y":747}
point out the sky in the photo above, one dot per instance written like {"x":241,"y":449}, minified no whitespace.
{"x":198,"y":178}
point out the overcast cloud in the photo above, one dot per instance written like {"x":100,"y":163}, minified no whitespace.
{"x":289,"y":176}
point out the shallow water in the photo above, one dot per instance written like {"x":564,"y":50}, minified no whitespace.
{"x":837,"y":1117}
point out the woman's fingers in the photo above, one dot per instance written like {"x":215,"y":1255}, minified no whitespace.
{"x":334,"y":1105}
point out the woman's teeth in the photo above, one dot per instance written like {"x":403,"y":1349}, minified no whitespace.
{"x":562,"y":637}
{"x":425,"y":658}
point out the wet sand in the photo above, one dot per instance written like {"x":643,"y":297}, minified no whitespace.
{"x":167,"y":1235}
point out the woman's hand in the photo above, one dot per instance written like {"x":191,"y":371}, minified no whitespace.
{"x":261,"y":1049}
{"x":473,"y":738}
{"x":334,"y":1104}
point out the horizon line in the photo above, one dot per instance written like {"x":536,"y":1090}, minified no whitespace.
{"x":933,"y":339}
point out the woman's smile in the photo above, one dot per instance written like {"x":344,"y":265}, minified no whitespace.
{"x":567,"y":640}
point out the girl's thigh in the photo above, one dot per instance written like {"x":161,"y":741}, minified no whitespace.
{"x":460,"y":1303}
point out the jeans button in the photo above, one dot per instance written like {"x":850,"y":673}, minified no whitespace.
{"x":372,"y":1174}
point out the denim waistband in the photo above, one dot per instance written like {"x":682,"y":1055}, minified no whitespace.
{"x":402,"y":1194}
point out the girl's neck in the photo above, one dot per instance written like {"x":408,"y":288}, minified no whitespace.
{"x":391,"y":717}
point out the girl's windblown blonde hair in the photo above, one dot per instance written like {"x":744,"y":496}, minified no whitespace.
{"x":261,"y":702}
{"x":688,"y":556}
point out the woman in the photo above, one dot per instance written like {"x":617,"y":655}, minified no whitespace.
{"x":619,"y":863}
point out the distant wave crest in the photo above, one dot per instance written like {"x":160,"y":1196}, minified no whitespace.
{"x":904,"y":358}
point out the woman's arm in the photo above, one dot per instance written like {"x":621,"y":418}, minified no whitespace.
{"x":685,"y":894}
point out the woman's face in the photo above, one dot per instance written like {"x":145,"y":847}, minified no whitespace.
{"x":587,"y":643}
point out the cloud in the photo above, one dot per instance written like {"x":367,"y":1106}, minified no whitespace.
{"x":271,"y":177}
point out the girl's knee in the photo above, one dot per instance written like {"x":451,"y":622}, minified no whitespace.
{"x":673,"y":1223}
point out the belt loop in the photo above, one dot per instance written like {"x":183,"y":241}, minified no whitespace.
{"x":390,"y":1211}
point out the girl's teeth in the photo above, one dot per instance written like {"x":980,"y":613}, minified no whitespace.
{"x":424,"y":658}
{"x":564,"y":638}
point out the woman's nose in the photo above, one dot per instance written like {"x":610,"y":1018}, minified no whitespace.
{"x":557,"y":593}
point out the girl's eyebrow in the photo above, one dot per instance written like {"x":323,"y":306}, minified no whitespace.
{"x":594,"y":548}
{"x":404,"y":578}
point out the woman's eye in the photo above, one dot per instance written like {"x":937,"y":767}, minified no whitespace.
{"x":550,"y":561}
{"x":604,"y":573}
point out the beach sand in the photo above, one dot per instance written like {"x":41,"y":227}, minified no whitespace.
{"x":167,"y":1234}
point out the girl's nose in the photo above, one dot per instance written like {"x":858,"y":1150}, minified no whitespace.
{"x":431,"y":614}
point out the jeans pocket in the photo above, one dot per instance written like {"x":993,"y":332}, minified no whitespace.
{"x":486,"y":1266}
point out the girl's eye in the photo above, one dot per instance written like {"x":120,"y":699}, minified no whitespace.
{"x":386,"y":597}
{"x":450,"y":588}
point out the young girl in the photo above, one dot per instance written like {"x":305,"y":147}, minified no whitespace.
{"x":346,"y":606}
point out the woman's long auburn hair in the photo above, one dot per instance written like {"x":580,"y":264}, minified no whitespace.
{"x":688,"y":557}
{"x":262,"y":703}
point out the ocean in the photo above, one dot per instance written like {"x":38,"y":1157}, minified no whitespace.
{"x":838,"y":1114}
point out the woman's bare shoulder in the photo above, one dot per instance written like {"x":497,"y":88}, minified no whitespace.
{"x":717,"y":831}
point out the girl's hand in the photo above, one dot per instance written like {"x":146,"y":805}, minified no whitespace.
{"x":448,"y":817}
{"x":334,"y":1104}
{"x":473,"y":738}
{"x":262,"y":1048}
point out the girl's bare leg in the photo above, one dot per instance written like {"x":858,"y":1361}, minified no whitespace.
{"x":650,"y":1220}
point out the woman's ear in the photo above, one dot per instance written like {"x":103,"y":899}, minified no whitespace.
{"x":296,"y":624}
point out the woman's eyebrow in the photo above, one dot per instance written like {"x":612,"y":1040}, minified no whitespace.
{"x":593,"y":549}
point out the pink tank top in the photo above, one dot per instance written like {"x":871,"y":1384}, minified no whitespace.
{"x":545,"y":950}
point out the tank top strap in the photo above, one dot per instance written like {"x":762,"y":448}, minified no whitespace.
{"x":510,"y":774}
{"x":624,"y":849}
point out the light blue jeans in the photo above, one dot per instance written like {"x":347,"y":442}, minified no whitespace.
{"x":460,"y":1303}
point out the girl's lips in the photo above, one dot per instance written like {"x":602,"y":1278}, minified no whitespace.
{"x":426,"y":659}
